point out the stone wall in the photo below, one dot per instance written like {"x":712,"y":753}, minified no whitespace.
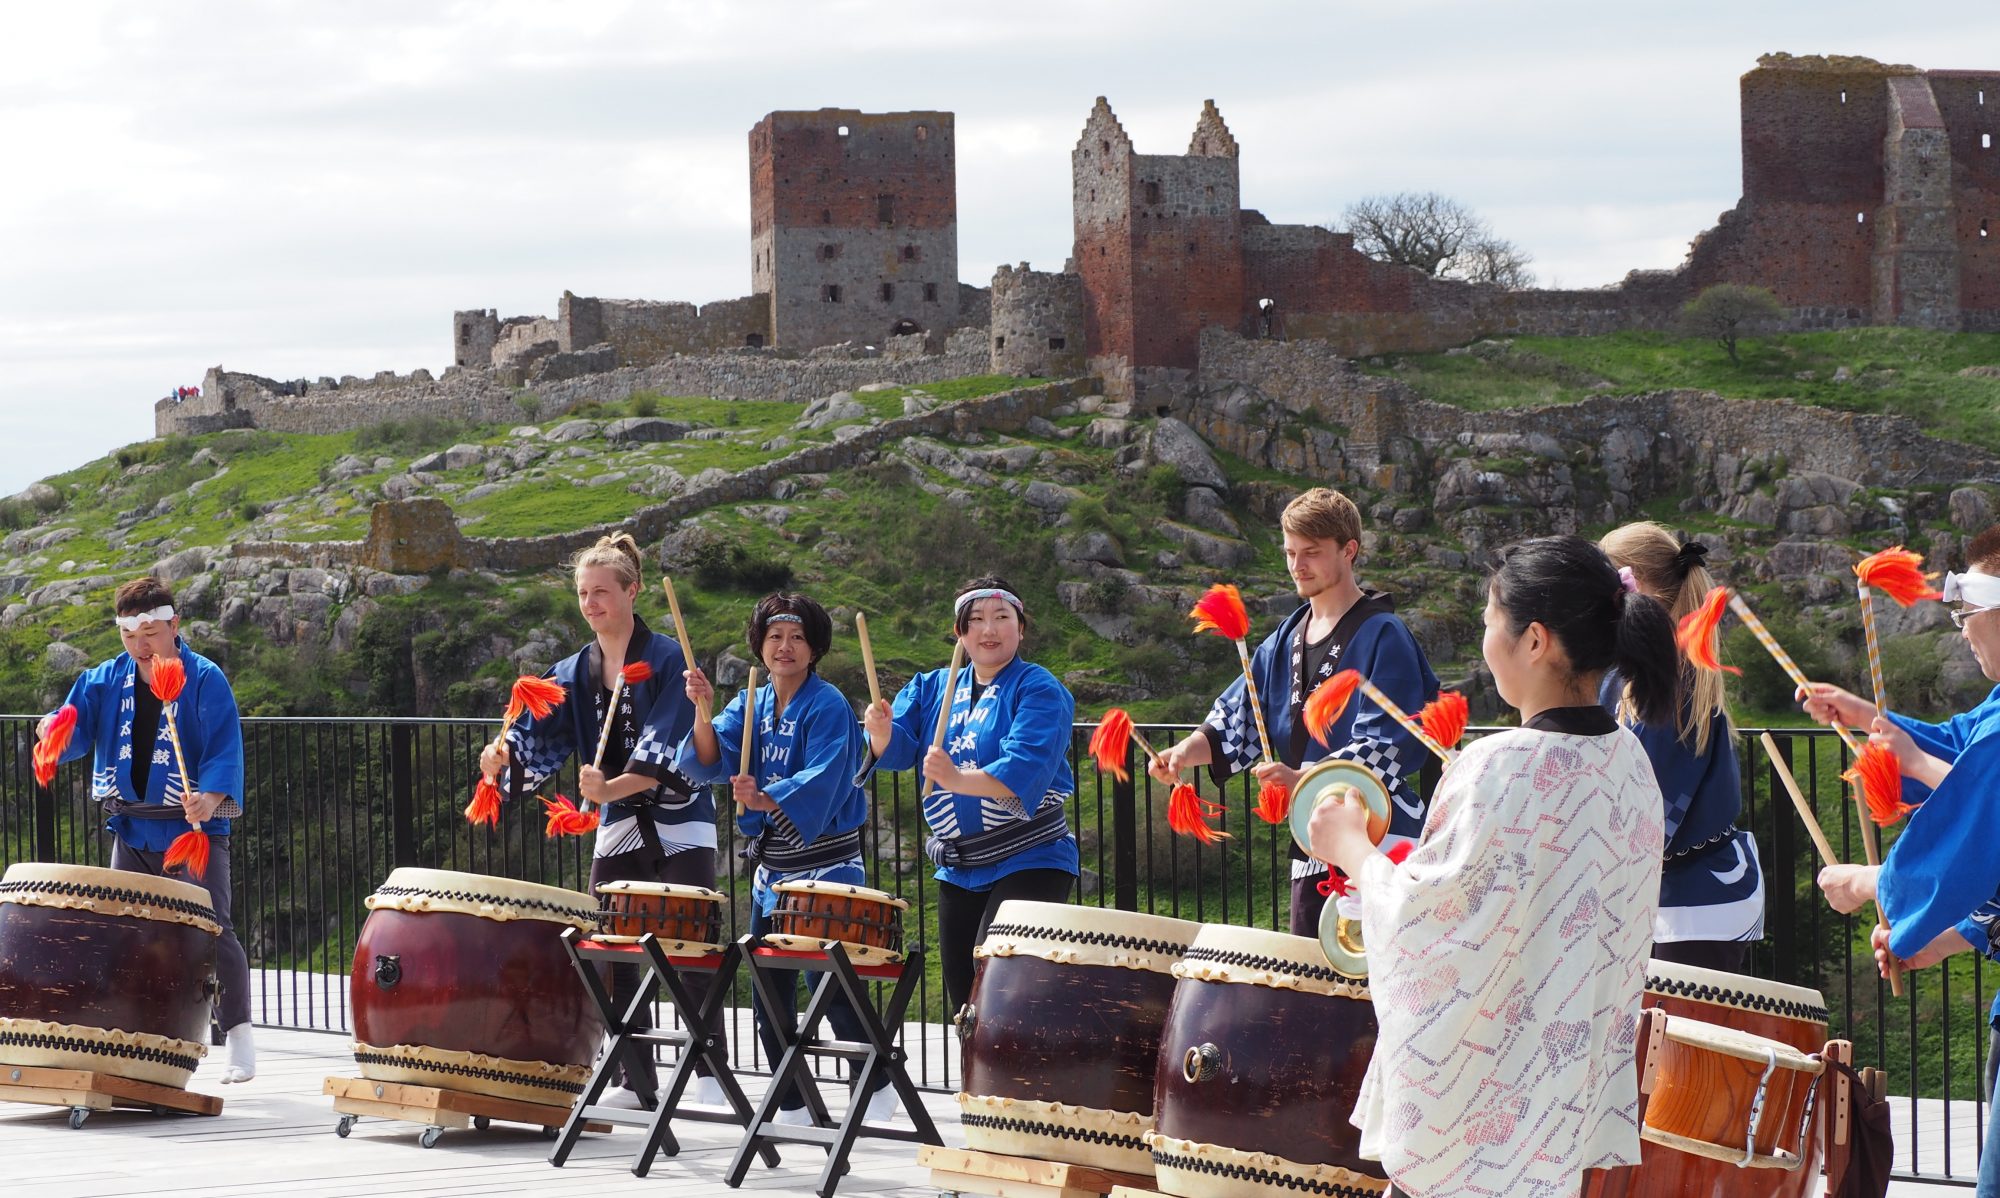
{"x":854,"y":225}
{"x":1037,"y":323}
{"x":472,"y":335}
{"x":642,"y":332}
{"x":410,"y":537}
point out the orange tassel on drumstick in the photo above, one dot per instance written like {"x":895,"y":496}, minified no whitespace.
{"x":1109,"y":743}
{"x":190,"y":848}
{"x":1330,"y":698}
{"x":1220,"y":610}
{"x":1897,"y":573}
{"x":536,"y":696}
{"x":566,"y":819}
{"x":1188,"y":814}
{"x":48,"y":751}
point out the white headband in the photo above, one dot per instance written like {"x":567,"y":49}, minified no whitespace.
{"x":158,"y":615}
{"x":1979,"y":590}
{"x":966,"y":600}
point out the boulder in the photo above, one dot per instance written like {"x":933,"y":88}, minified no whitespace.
{"x":1971,"y":509}
{"x":573,"y":430}
{"x":640,"y":429}
{"x":185,"y":564}
{"x":1203,"y":508}
{"x":1174,"y":444}
{"x":1095,"y":545}
{"x":1222,"y":553}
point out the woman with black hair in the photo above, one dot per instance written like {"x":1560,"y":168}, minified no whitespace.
{"x":800,"y":806}
{"x":998,"y":814}
{"x":1507,"y":952}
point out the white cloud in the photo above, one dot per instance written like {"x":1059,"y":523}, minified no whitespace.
{"x":307,"y":189}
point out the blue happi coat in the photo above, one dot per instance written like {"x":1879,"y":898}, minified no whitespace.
{"x":806,"y":761}
{"x":1019,"y":734}
{"x":657,"y":712}
{"x":1939,"y":874}
{"x":1385,"y":653}
{"x":211,"y":736}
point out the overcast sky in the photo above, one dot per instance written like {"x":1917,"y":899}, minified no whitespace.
{"x":305,"y":189}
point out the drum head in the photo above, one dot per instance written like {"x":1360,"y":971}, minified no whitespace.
{"x":1318,"y":781}
{"x":816,"y":886}
{"x":667,"y":889}
{"x":1340,"y":939}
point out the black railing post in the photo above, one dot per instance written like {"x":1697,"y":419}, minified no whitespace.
{"x":44,"y":803}
{"x":402,"y":796}
{"x":1125,"y":837}
{"x":1780,"y":926}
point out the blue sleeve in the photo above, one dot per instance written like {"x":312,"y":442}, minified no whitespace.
{"x":218,"y":765}
{"x":84,"y":696}
{"x":1035,"y":746}
{"x":540,"y":746}
{"x":1939,"y":872}
{"x":729,"y":739}
{"x":1977,"y":929}
{"x":915,"y":707}
{"x":823,"y":774}
{"x":1231,"y":727}
{"x":666,"y":722}
{"x":1946,"y":740}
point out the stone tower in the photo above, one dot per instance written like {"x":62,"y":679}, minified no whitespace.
{"x":854,"y":225}
{"x":473,"y":333}
{"x":1037,"y":323}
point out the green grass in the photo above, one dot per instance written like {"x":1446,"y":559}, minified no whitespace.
{"x":1909,"y":372}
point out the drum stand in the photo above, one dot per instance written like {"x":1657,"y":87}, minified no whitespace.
{"x":436,"y":1107}
{"x":880,"y":1056}
{"x":697,"y":1044}
{"x":84,"y":1091}
{"x":964,"y":1171}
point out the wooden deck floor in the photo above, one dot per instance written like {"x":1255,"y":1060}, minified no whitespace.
{"x":275,"y":1137}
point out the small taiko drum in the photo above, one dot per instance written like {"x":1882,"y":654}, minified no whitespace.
{"x":1731,"y":1096}
{"x":868,"y":924}
{"x":687,"y":920}
{"x":1061,"y":1037}
{"x":460,"y":981}
{"x":1260,"y":1066}
{"x":105,"y":970}
{"x":1792,"y":1016}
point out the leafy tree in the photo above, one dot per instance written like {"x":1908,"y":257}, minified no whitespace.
{"x":1726,"y":311}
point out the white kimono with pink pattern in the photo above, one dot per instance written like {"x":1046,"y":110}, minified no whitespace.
{"x":1507,"y":956}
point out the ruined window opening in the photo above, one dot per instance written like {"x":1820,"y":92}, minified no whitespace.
{"x":1152,"y":193}
{"x":885,"y":211}
{"x":888,"y":292}
{"x":1861,"y":218}
{"x":923,"y":133}
{"x":909,"y":253}
{"x":930,"y":293}
{"x":1056,"y":343}
{"x":1104,"y":146}
{"x":1843,"y":96}
{"x":1000,"y":343}
{"x":1093,"y":195}
{"x":905,"y":327}
{"x":1982,"y":228}
{"x":1210,"y":189}
{"x":1986,"y":141}
{"x":1982,"y":97}
{"x":826,"y":216}
{"x":1193,"y":247}
{"x":829,"y":251}
{"x":754,"y":340}
{"x":843,"y":129}
{"x":830,"y":293}
{"x":465,"y":334}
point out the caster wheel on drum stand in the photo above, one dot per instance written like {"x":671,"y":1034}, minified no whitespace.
{"x":550,"y":1133}
{"x":345,"y":1125}
{"x":481,"y":1122}
{"x":77,"y":1114}
{"x":430,"y":1137}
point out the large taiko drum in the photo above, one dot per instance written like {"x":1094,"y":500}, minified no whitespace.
{"x":461,"y":981}
{"x":1062,"y":1035}
{"x":1793,"y":1017}
{"x":105,"y":970}
{"x":1260,"y":1066}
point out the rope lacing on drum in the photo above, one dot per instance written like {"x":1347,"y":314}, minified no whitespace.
{"x":1757,"y":1107}
{"x":1702,"y":992}
{"x":1054,"y":1131}
{"x":158,"y":1056}
{"x":582,"y":914}
{"x":1166,"y":1160}
{"x":491,"y":1075}
{"x":1094,"y":939}
{"x":1317,"y":973}
{"x":137,"y":898}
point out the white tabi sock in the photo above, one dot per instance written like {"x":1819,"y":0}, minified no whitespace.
{"x":242,"y":1050}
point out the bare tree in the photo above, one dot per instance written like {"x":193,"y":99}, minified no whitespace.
{"x":1725,"y":311}
{"x":1436,"y":235}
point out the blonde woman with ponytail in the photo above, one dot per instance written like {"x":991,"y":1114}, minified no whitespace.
{"x":1711,"y":883}
{"x":656,"y":826}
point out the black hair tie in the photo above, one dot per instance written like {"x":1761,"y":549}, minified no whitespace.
{"x":1690,"y":555}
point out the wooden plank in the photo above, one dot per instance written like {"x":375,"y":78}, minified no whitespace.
{"x":1136,"y":1192}
{"x":436,"y":1099}
{"x":1056,"y":1174}
{"x":45,"y":1096}
{"x":130,"y":1092}
{"x":997,"y":1187}
{"x":406,"y":1114}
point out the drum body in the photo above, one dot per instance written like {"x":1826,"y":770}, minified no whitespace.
{"x":105,"y":970}
{"x":687,"y":920}
{"x":1793,"y":1016}
{"x":1062,"y":1036}
{"x":1260,"y":1066}
{"x":461,"y":981}
{"x":1730,"y":1096}
{"x":868,"y":923}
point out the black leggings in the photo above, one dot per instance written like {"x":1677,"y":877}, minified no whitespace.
{"x":964,"y":915}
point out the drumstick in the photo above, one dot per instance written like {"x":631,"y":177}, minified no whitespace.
{"x":1799,"y":801}
{"x":681,"y":635}
{"x":633,"y":672}
{"x":944,"y":712}
{"x":1256,"y":705}
{"x":749,"y":721}
{"x":1784,"y":660}
{"x":1410,"y":725}
{"x":867,"y":658}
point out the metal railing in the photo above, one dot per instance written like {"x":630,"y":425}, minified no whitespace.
{"x":332,"y":805}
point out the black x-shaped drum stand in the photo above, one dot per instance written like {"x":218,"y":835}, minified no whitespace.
{"x":697,"y":1043}
{"x":879,"y":1057}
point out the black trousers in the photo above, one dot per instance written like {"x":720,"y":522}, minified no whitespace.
{"x":964,"y":915}
{"x":232,"y":964}
{"x":1725,"y":955}
{"x":1307,"y":903}
{"x":689,"y":867}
